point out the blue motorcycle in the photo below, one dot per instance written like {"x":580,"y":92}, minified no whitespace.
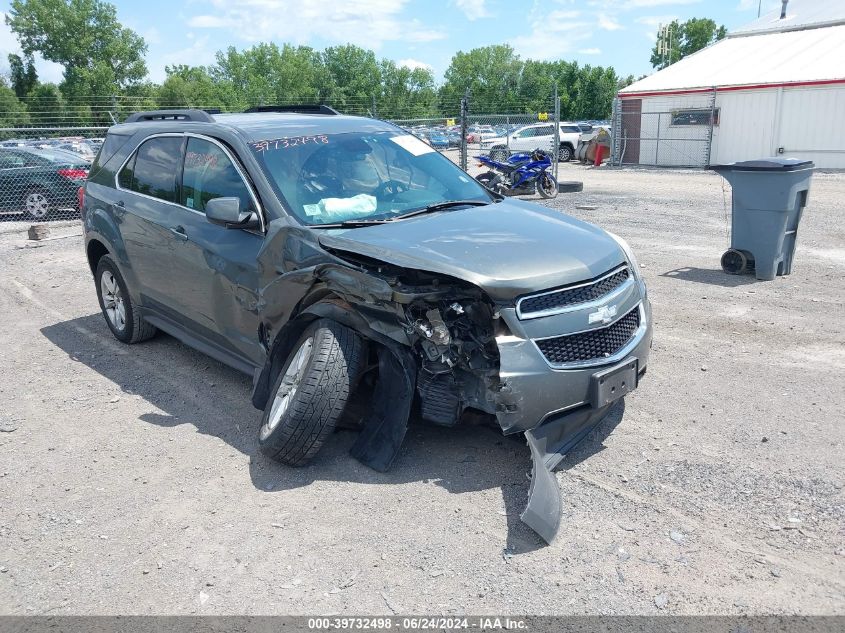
{"x":520,"y":175}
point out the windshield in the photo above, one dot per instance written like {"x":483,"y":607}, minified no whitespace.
{"x":332,"y":178}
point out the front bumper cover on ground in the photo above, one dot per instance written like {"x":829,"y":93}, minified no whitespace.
{"x":549,"y":444}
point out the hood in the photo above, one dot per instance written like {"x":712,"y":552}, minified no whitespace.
{"x":507,"y":249}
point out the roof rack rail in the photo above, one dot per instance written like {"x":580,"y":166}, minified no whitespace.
{"x":171,"y":115}
{"x":298,"y":109}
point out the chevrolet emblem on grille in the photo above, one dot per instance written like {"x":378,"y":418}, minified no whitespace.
{"x":603,"y":315}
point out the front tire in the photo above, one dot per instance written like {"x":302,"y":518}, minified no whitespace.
{"x":311,"y":392}
{"x":547,"y":186}
{"x":121,"y":316}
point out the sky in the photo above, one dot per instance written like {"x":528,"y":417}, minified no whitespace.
{"x":618,"y":33}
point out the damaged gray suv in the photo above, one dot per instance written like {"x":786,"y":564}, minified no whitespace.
{"x":335,"y":258}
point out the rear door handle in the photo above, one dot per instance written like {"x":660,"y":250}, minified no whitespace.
{"x":179,"y":231}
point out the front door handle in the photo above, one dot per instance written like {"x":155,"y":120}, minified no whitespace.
{"x":179,"y":231}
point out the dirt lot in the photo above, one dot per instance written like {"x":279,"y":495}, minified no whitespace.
{"x":130,"y":481}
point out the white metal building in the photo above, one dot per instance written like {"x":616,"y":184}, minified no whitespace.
{"x":775,"y":86}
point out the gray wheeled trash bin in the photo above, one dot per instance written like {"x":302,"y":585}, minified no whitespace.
{"x":769,"y":196}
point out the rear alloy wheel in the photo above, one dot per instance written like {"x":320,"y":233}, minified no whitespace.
{"x":499,"y":155}
{"x":37,"y":204}
{"x":121,"y":316}
{"x":564,"y":154}
{"x":113,"y":305}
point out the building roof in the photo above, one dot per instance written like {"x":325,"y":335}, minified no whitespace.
{"x":800,"y":14}
{"x":807,"y":47}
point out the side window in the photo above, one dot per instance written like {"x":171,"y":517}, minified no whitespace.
{"x":156,"y":166}
{"x":526,"y":133}
{"x":8,"y":160}
{"x":209,"y":174}
{"x":546,"y":130}
{"x":570,"y":129}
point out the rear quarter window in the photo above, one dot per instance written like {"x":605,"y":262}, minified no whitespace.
{"x":109,"y":148}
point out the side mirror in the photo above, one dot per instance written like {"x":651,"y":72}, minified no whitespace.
{"x":227,"y":212}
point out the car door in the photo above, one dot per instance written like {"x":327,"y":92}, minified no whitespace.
{"x":216,"y":270}
{"x":570,"y":134}
{"x":10,"y":180}
{"x":150,"y":227}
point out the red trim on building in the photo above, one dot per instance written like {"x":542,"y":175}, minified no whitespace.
{"x":794,"y":84}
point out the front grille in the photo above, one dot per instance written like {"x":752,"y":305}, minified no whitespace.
{"x":592,"y":345}
{"x":566,"y":297}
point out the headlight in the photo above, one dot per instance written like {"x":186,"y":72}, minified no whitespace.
{"x":632,"y":260}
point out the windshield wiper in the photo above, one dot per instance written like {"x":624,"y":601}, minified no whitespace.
{"x":351,"y":224}
{"x":439,"y":206}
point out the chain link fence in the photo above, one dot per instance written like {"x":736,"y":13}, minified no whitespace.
{"x":42,"y":169}
{"x":665,"y":131}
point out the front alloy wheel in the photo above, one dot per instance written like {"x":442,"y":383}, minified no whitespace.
{"x":288,"y":386}
{"x":310,"y":392}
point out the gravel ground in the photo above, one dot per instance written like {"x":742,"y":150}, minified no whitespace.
{"x":131,"y":482}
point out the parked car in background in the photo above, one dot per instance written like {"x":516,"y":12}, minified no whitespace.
{"x":37,"y":182}
{"x":438,"y":140}
{"x":80,"y":148}
{"x":530,"y":137}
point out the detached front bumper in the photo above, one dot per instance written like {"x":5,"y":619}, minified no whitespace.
{"x":557,"y":408}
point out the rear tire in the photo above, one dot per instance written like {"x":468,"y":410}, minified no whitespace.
{"x":311,"y":392}
{"x":564,"y":154}
{"x":499,"y":155}
{"x":121,"y":316}
{"x":37,"y":204}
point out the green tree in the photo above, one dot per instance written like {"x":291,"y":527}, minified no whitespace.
{"x":46,"y":106}
{"x":99,"y":55}
{"x":406,"y":93}
{"x":266,"y":74}
{"x":194,"y":87}
{"x":354,"y":77}
{"x":595,"y":90}
{"x":491,"y":73}
{"x":12,"y":112}
{"x":685,"y":38}
{"x":22,"y":74}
